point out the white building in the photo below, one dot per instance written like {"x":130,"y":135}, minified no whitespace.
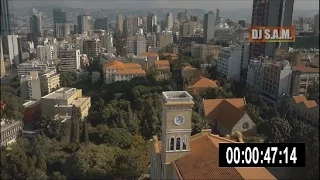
{"x":69,"y":58}
{"x":303,"y":78}
{"x":232,"y":60}
{"x":45,"y":52}
{"x":30,"y":86}
{"x":169,"y":21}
{"x":254,"y":74}
{"x":10,"y":47}
{"x":107,"y":42}
{"x":49,"y":82}
{"x":34,"y":65}
{"x":223,"y":32}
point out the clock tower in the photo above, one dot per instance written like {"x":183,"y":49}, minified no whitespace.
{"x":176,"y":125}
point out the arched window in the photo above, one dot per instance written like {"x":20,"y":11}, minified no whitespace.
{"x":178,"y":144}
{"x":171,"y":145}
{"x":184,"y":142}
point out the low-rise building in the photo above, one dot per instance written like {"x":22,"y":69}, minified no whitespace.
{"x":202,"y":51}
{"x":119,"y":71}
{"x":10,"y":131}
{"x":62,"y":100}
{"x":34,"y":65}
{"x":227,"y":116}
{"x":200,"y":85}
{"x":32,"y":112}
{"x":162,"y":69}
{"x":303,"y":78}
{"x":307,"y":110}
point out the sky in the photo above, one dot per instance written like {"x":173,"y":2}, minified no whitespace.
{"x":143,"y":4}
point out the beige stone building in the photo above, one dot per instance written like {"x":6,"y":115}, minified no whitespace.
{"x":162,"y":69}
{"x":302,"y":78}
{"x":227,"y":116}
{"x":61,"y":101}
{"x":307,"y":110}
{"x":119,"y":71}
{"x":202,"y":51}
{"x":49,"y":82}
{"x":200,"y":85}
{"x":178,"y":155}
{"x":10,"y":131}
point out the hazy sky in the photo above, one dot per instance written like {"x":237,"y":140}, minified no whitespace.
{"x":141,"y":4}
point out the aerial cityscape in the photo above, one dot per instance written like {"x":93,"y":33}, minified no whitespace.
{"x":151,"y":89}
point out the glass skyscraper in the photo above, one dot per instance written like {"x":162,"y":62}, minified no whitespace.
{"x":5,"y":27}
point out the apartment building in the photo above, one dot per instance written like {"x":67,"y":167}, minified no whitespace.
{"x":10,"y":131}
{"x":276,"y":81}
{"x":303,"y":78}
{"x":136,"y":45}
{"x":61,"y":101}
{"x":151,"y":40}
{"x":202,"y":51}
{"x":232,"y":60}
{"x":307,"y":110}
{"x":119,"y":71}
{"x":107,"y":42}
{"x":92,"y":47}
{"x":164,"y":39}
{"x":45,"y":52}
{"x":30,"y":86}
{"x":162,"y":69}
{"x":69,"y":58}
{"x":49,"y":82}
{"x":187,"y":29}
{"x":254,"y":74}
{"x":223,"y":33}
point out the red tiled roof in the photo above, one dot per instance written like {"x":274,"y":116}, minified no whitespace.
{"x":307,"y":103}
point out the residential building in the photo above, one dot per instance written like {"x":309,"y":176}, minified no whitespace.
{"x":30,"y":86}
{"x":240,"y":36}
{"x":69,"y":58}
{"x":272,"y":13}
{"x":85,"y":23}
{"x":34,"y":65}
{"x":10,"y":131}
{"x":223,"y":122}
{"x":202,"y":51}
{"x":5,"y":28}
{"x":130,"y":25}
{"x":119,"y":71}
{"x":303,"y":109}
{"x":187,"y":29}
{"x":232,"y":60}
{"x":107,"y":42}
{"x":276,"y":81}
{"x":303,"y":78}
{"x":169,"y":21}
{"x":49,"y":82}
{"x":120,"y":22}
{"x":223,"y":33}
{"x":208,"y":26}
{"x":177,"y":153}
{"x":101,"y":23}
{"x":2,"y":63}
{"x":162,"y":69}
{"x":92,"y":48}
{"x":151,"y":23}
{"x":151,"y":40}
{"x":36,"y":25}
{"x":61,"y":101}
{"x":164,"y":39}
{"x":200,"y":85}
{"x":45,"y":52}
{"x":255,"y":74}
{"x":61,"y":30}
{"x":32,"y":112}
{"x":136,"y":45}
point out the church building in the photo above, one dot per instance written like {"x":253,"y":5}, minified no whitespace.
{"x":178,"y":155}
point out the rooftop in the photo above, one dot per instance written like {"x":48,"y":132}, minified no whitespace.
{"x":62,"y":93}
{"x":30,"y":104}
{"x":201,"y":82}
{"x":130,"y":71}
{"x":303,"y":68}
{"x":303,"y":100}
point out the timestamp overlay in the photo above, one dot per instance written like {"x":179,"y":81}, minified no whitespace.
{"x":261,"y":154}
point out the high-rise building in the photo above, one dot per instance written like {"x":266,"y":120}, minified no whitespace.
{"x":45,"y":52}
{"x":208,"y":26}
{"x":30,"y":86}
{"x":187,"y":29}
{"x":182,"y":16}
{"x":101,"y":23}
{"x":3,"y":67}
{"x":130,"y":25}
{"x":120,"y":22}
{"x":107,"y":42}
{"x":59,"y":16}
{"x":5,"y":18}
{"x":61,"y":30}
{"x":136,"y":45}
{"x":169,"y":21}
{"x":242,"y":23}
{"x":316,"y":24}
{"x":270,"y":13}
{"x":85,"y":23}
{"x":92,"y":47}
{"x":151,"y":22}
{"x":69,"y":58}
{"x":11,"y":48}
{"x":164,"y":39}
{"x":217,"y":16}
{"x":36,"y":25}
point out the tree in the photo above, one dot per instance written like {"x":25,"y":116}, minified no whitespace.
{"x":277,"y":130}
{"x":13,"y":104}
{"x":197,"y":123}
{"x":48,"y":127}
{"x":41,"y":162}
{"x":75,"y":130}
{"x":85,"y":132}
{"x":67,"y":78}
{"x":119,"y":42}
{"x":118,"y":137}
{"x":57,"y":176}
{"x":313,"y":91}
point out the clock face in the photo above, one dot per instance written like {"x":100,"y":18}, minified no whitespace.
{"x":178,"y":120}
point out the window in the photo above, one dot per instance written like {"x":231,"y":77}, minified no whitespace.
{"x":178,"y":144}
{"x":171,"y":145}
{"x":184,"y":143}
{"x":245,"y":125}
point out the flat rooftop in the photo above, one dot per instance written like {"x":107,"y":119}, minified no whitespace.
{"x":62,"y":93}
{"x":177,"y":96}
{"x":30,"y":104}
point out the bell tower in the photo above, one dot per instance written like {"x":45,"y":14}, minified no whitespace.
{"x":176,"y":125}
